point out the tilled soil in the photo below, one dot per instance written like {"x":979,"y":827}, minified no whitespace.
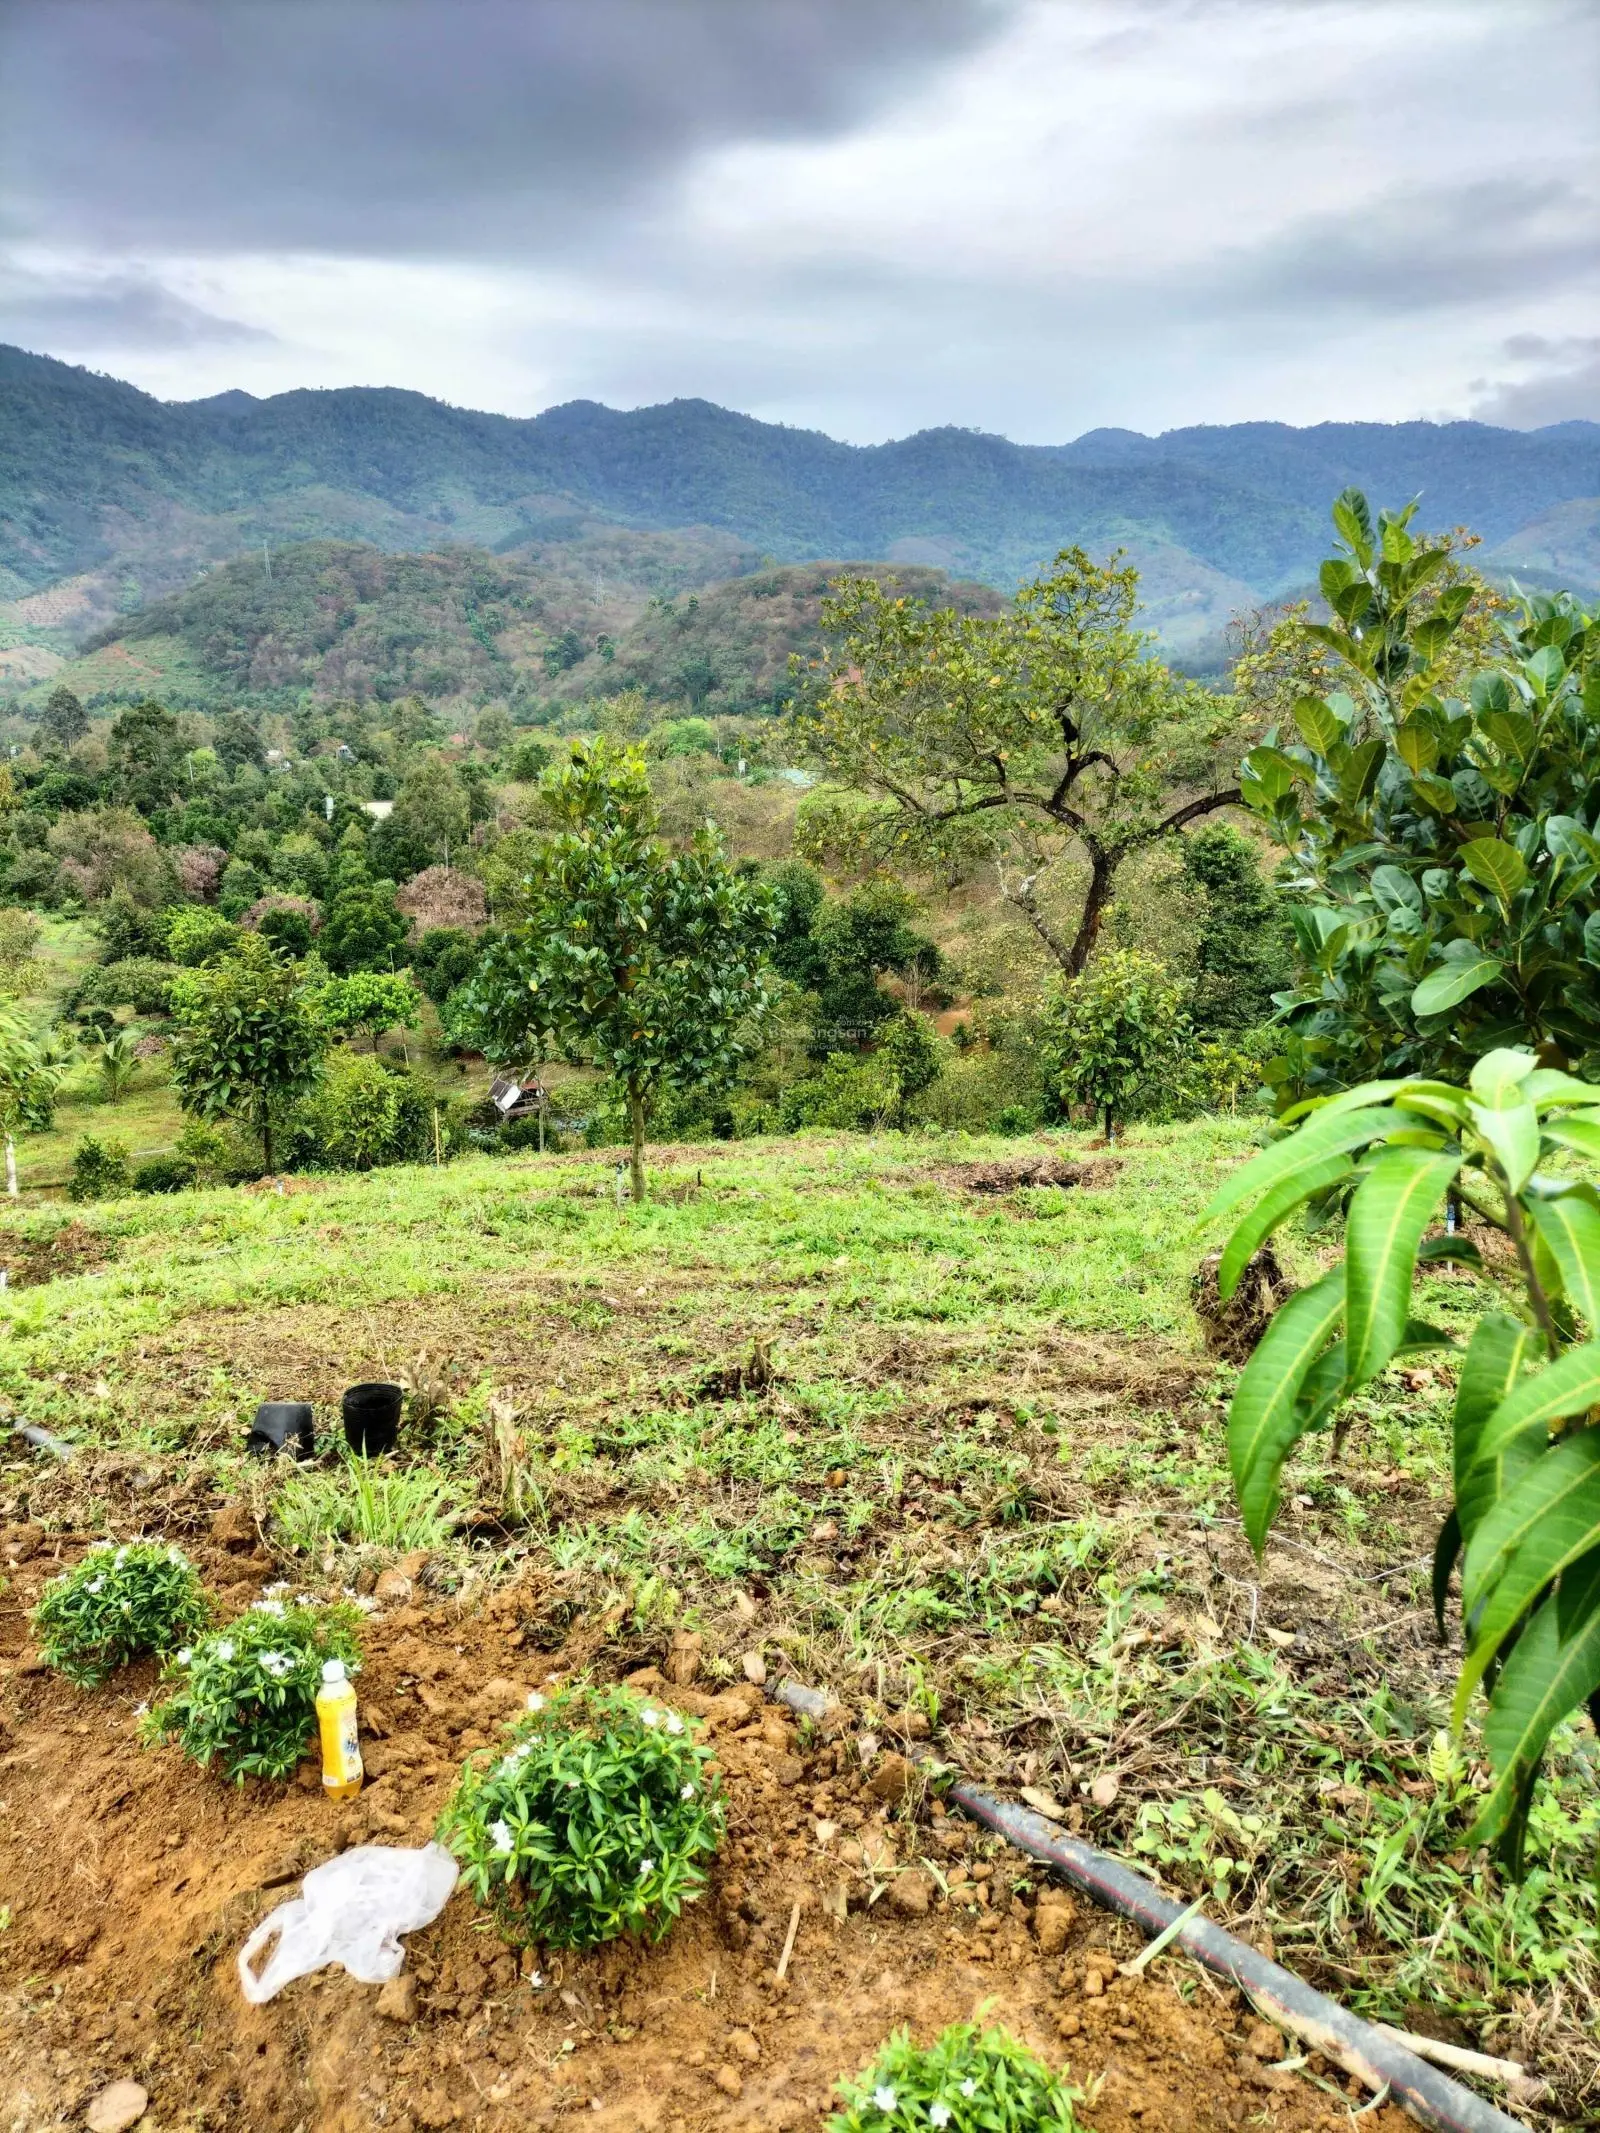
{"x":132,"y":1879}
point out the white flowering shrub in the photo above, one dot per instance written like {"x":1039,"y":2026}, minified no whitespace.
{"x":116,"y":1604}
{"x":961,"y":2083}
{"x":592,"y":1820}
{"x":245,"y":1696}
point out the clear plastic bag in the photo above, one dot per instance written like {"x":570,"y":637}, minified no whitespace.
{"x":350,"y":1910}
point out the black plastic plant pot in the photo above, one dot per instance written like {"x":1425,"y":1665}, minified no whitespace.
{"x":372,"y":1418}
{"x":283,"y":1425}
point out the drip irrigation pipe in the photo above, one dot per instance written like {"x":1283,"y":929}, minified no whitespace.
{"x":1362,"y":2049}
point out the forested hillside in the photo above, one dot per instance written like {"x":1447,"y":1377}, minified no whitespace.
{"x":101,"y":482}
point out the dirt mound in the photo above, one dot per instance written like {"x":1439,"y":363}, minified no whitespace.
{"x":1018,"y":1171}
{"x":1233,"y":1328}
{"x":133,"y":1879}
{"x":52,"y":1255}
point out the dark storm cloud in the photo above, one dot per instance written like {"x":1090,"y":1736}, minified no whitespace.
{"x":1419,"y":248}
{"x":129,"y":310}
{"x":489,"y":128}
{"x":1564,"y":384}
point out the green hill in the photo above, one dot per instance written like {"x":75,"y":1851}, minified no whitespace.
{"x":102,"y":483}
{"x":344,"y":619}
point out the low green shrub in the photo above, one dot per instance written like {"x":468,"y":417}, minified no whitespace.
{"x":591,"y":1821}
{"x":163,"y":1173}
{"x":118,"y":1603}
{"x":369,"y":1505}
{"x":141,"y":982}
{"x":244,"y":1696}
{"x":848,"y":1094}
{"x":209,"y":1153}
{"x":961,"y":2083}
{"x":362,"y":1114}
{"x":196,"y":933}
{"x":99,"y":1169}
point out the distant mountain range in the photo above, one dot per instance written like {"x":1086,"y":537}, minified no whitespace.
{"x":110,"y":498}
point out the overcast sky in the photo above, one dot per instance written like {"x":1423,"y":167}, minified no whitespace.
{"x":863,"y":216}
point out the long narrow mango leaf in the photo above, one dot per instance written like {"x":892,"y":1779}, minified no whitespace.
{"x":1318,"y":1137}
{"x":1570,"y":1226}
{"x":1496,"y":1356}
{"x":1550,"y":1518}
{"x":1270,"y":1210}
{"x":1264,"y":1422}
{"x":1388,"y":1215}
{"x":1545,"y":1676}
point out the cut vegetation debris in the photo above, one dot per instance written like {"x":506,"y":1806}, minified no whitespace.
{"x":984,"y":1504}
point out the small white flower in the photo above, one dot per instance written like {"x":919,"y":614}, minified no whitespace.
{"x":650,"y":1718}
{"x":536,"y":1980}
{"x":94,"y":1585}
{"x":674,"y":1722}
{"x":276,"y":1664}
{"x":572,"y":1784}
{"x":500,"y":1835}
{"x":885,"y":2099}
{"x":969,"y":2088}
{"x":938,"y":2114}
{"x":646,"y":1866}
{"x":174,"y":1555}
{"x":185,"y":1656}
{"x":225,"y":1650}
{"x":141,"y":1710}
{"x":272,"y":1592}
{"x":266,"y":1607}
{"x":535,"y":1700}
{"x":121,"y":1556}
{"x":687,"y":1793}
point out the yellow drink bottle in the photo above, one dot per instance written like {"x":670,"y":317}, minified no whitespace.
{"x":341,"y":1741}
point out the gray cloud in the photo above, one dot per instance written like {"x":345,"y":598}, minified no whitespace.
{"x":472,"y":128}
{"x":1415,"y":248}
{"x":1564,"y":385}
{"x":125,"y":310}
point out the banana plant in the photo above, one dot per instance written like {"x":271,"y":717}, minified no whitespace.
{"x":1525,"y":1522}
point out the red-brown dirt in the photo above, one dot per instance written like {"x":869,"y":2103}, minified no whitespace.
{"x":132,"y":1879}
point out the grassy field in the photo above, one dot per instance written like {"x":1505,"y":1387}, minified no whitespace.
{"x":967,"y":1452}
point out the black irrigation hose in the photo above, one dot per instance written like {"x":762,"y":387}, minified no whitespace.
{"x":1385,"y":2066}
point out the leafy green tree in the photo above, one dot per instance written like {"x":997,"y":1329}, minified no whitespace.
{"x":858,"y":940}
{"x":1116,"y":1033}
{"x":1042,"y":735}
{"x":196,"y":933}
{"x":431,"y":811}
{"x":238,"y":742}
{"x":370,"y":1000}
{"x":248,"y":1038}
{"x":364,"y":928}
{"x":443,"y":958}
{"x":1525,"y":1523}
{"x":909,"y":1049}
{"x":145,"y":757}
{"x":618,"y":954}
{"x":1243,"y":945}
{"x":63,"y":721}
{"x":28,"y":1084}
{"x":797,"y":899}
{"x":1449,"y":891}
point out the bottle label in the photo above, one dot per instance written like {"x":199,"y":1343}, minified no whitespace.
{"x":341,"y":1744}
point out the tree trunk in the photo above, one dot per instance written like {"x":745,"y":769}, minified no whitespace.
{"x":266,"y":1139}
{"x":11,"y":1166}
{"x":636,"y":1120}
{"x":1102,"y":874}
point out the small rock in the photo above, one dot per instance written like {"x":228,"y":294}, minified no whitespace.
{"x":1069,"y":2024}
{"x":683,"y":1660}
{"x":825,"y":1530}
{"x":755,"y":1669}
{"x":826,"y":1831}
{"x":1104,"y":1790}
{"x":23,"y":1543}
{"x":234,"y":1526}
{"x":432,"y":2107}
{"x":913,"y":1725}
{"x":118,"y":2107}
{"x":744,"y":2046}
{"x":745,"y":1607}
{"x":397,"y":2002}
{"x":393,"y":1588}
{"x":911,"y":1893}
{"x":1263,"y":2041}
{"x":1053,"y":1922}
{"x":787,"y":1769}
{"x":412,"y":1565}
{"x":1094,"y":1984}
{"x":891,"y":1779}
{"x":728,"y":2081}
